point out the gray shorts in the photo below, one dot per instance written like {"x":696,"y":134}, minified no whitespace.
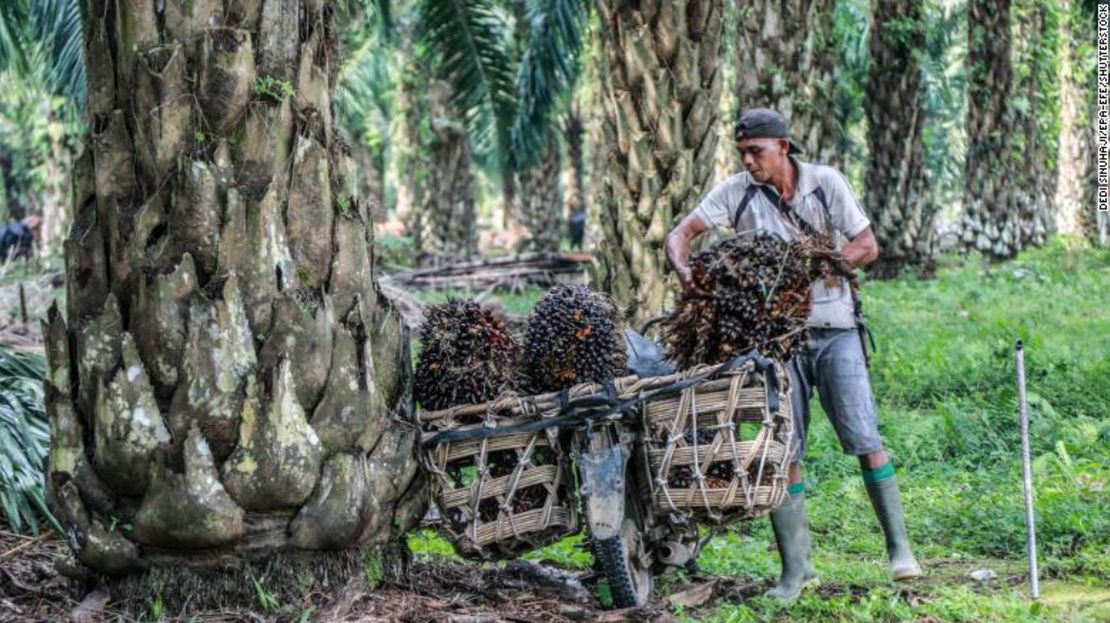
{"x":833,"y":364}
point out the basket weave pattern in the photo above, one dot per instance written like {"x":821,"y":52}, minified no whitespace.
{"x":502,"y":495}
{"x":702,"y":467}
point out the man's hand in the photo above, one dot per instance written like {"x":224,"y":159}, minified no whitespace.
{"x":686,"y":279}
{"x":862,"y":250}
{"x":677,"y":247}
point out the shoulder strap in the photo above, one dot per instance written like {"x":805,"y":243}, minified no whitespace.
{"x":748,"y":195}
{"x":788,"y":212}
{"x":820,"y":192}
{"x":785,"y":209}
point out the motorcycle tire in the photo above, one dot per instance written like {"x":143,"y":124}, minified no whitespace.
{"x":625,"y":565}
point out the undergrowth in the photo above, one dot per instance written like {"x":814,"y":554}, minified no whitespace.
{"x":24,"y":440}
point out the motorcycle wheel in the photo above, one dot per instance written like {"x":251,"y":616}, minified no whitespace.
{"x":627,"y":565}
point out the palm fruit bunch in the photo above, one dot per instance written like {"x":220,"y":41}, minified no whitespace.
{"x":718,"y":476}
{"x":757,"y":295}
{"x":573,"y":336}
{"x":467,"y":356}
{"x":719,"y":473}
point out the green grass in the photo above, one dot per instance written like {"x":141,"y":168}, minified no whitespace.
{"x":944,"y":382}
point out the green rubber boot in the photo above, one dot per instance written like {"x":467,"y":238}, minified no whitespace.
{"x":888,"y":508}
{"x":792,"y":535}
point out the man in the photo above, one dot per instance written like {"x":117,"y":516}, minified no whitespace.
{"x":577,"y":228}
{"x":784,"y":195}
{"x":18,"y":239}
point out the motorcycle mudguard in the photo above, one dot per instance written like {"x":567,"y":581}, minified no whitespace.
{"x":603,"y":482}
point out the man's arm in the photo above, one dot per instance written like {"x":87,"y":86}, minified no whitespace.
{"x":862,"y":250}
{"x":677,"y":246}
{"x":848,"y":218}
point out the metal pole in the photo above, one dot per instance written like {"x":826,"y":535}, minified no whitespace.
{"x":1027,"y":473}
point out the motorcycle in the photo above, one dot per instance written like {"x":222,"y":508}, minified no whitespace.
{"x":643,"y":460}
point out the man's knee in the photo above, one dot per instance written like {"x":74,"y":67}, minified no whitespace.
{"x":873,"y":460}
{"x":795,"y":472}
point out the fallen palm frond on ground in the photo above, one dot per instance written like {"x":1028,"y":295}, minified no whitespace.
{"x":24,"y":440}
{"x":542,"y":269}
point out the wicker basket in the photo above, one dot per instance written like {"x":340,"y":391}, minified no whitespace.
{"x":503,"y":491}
{"x":499,"y":495}
{"x":719,"y":450}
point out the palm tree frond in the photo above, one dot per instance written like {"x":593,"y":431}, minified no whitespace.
{"x":60,"y":26}
{"x":364,"y":96}
{"x":548,"y":68}
{"x":24,"y":441}
{"x":13,"y":30}
{"x":466,"y":44}
{"x":44,"y":39}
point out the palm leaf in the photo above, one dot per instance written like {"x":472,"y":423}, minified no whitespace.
{"x":548,"y":69}
{"x":13,"y":36}
{"x":44,"y":40}
{"x":466,"y":43}
{"x":60,"y":26}
{"x":24,"y":441}
{"x":363,"y":103}
{"x":363,"y":19}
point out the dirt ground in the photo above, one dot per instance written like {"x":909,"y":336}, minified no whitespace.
{"x":32,"y":590}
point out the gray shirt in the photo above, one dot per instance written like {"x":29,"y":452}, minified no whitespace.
{"x":844,"y":220}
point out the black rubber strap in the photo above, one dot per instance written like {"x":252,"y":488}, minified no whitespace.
{"x":605,"y":404}
{"x":749,"y":194}
{"x":820,"y":192}
{"x":788,"y":212}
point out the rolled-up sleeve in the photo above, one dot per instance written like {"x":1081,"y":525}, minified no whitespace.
{"x":845,"y":212}
{"x":717,"y":208}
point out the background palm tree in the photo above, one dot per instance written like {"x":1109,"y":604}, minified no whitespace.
{"x":44,"y":38}
{"x":787,"y":57}
{"x":448,"y":214}
{"x":42,"y":74}
{"x":1075,"y":158}
{"x":541,"y":204}
{"x":504,"y":90}
{"x":549,"y":69}
{"x":660,"y":98}
{"x":898,"y":199}
{"x":1010,"y":125}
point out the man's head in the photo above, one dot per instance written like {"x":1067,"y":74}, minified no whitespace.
{"x":763,"y":139}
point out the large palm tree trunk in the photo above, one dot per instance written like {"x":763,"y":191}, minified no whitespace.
{"x":1036,"y":86}
{"x":786,"y":58}
{"x":901,"y":206}
{"x":1006,"y":184}
{"x":990,"y":221}
{"x":661,"y":101}
{"x":226,"y":382}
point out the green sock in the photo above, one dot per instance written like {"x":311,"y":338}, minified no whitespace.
{"x":797,"y":488}
{"x":872,"y":476}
